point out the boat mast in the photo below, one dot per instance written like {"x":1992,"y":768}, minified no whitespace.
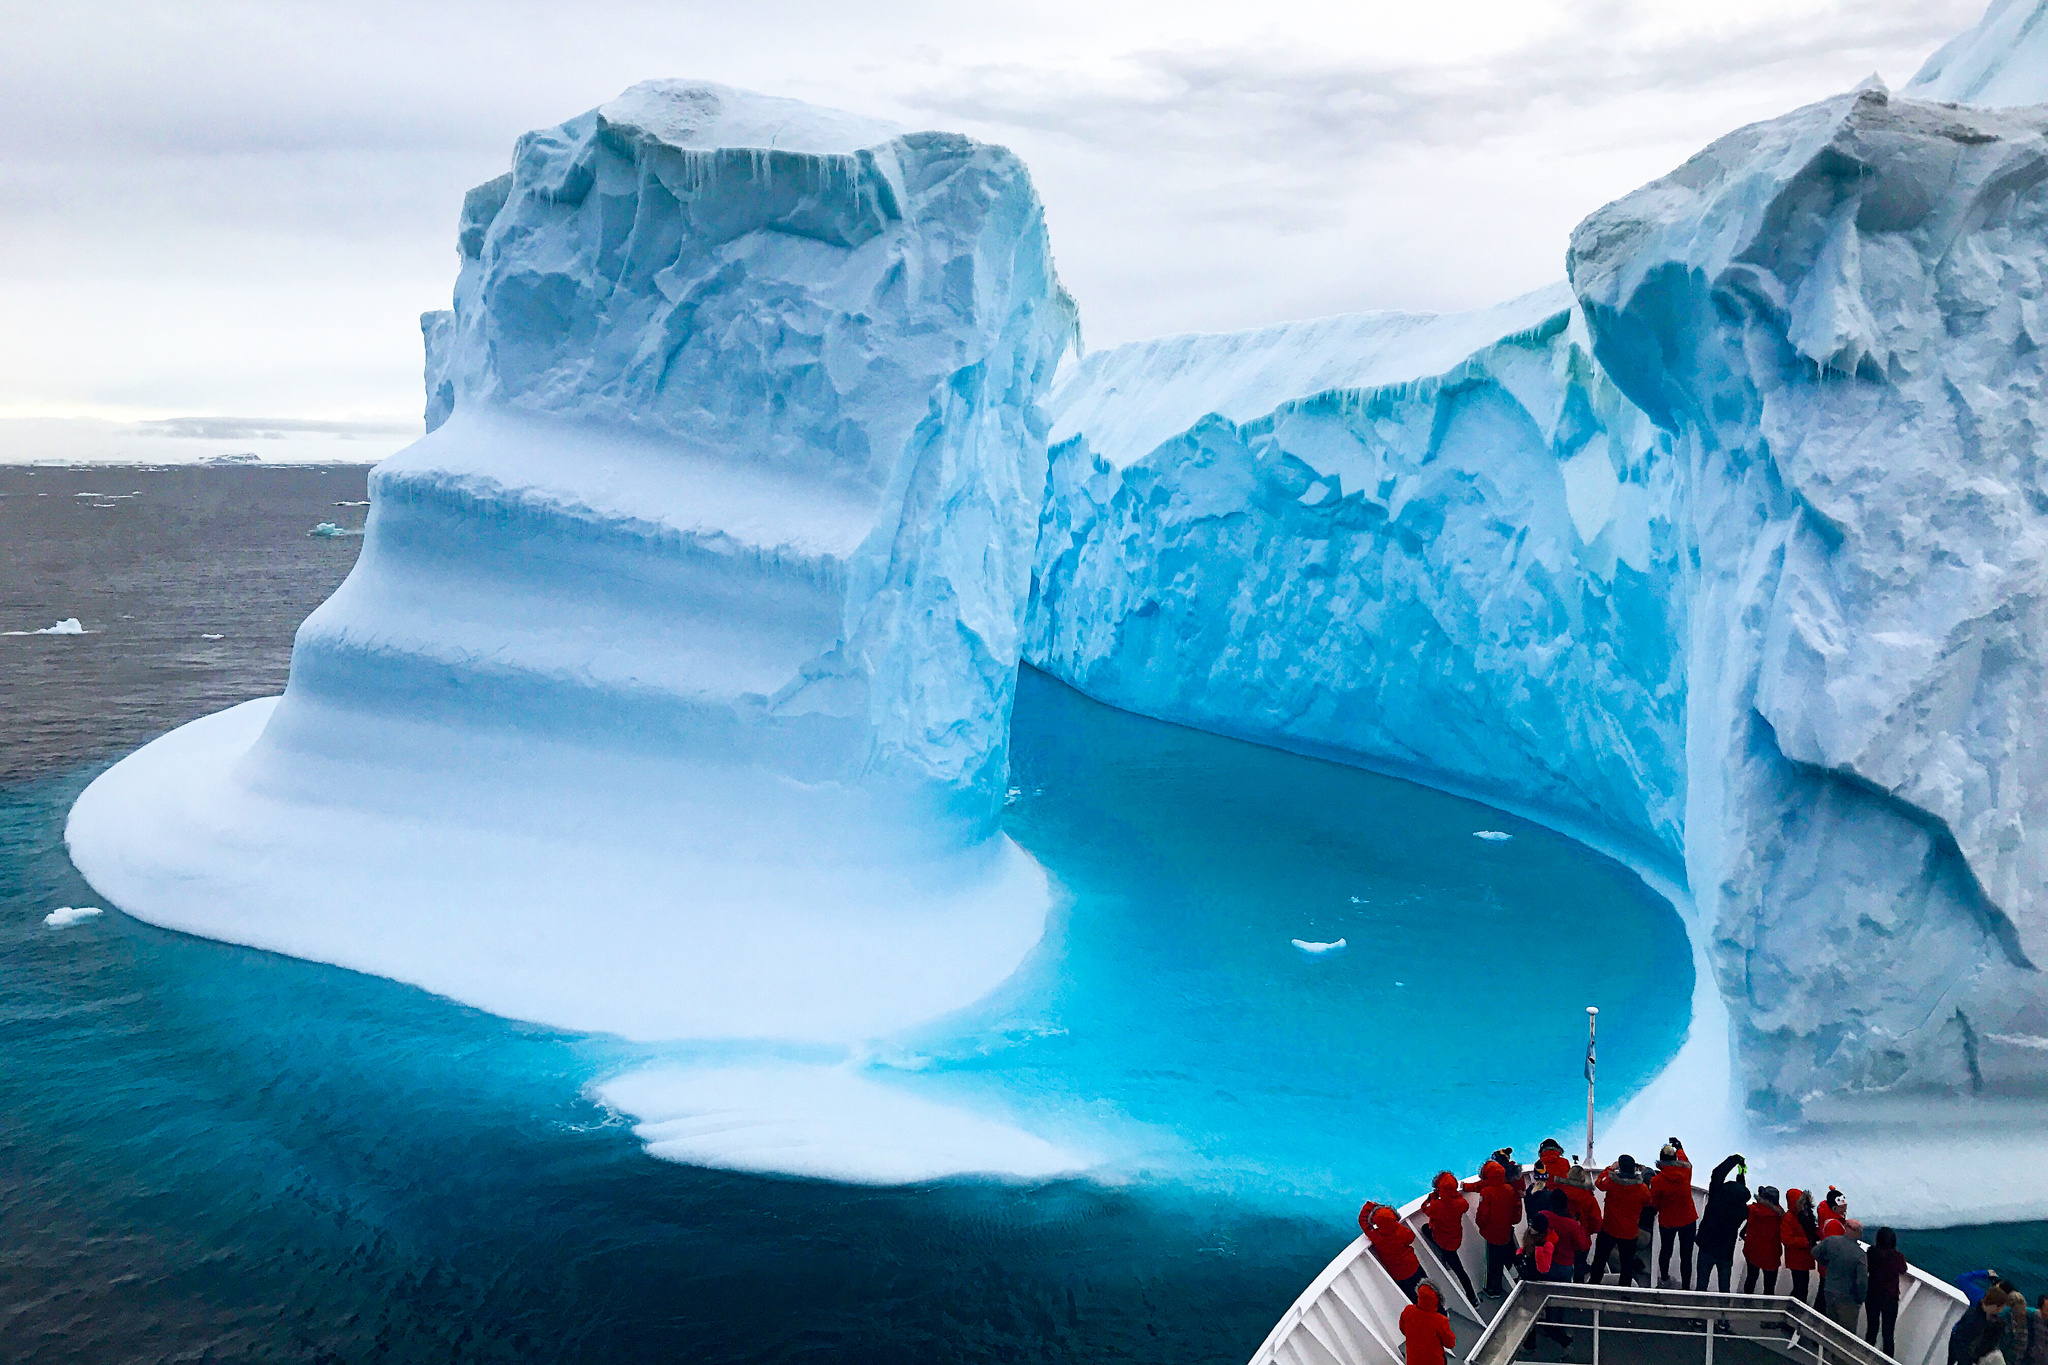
{"x":1592,"y":1019}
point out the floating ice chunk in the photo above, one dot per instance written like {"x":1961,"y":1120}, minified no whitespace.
{"x":213,"y":637}
{"x":1317,"y":949}
{"x":832,"y":1123}
{"x":326,"y":530}
{"x":69,"y":914}
{"x":68,"y":626}
{"x":1492,"y":836}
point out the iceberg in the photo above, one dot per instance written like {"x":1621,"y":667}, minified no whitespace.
{"x":1727,"y":557}
{"x":1838,"y":316}
{"x":2002,"y":62}
{"x":1445,"y":546}
{"x":669,"y":696}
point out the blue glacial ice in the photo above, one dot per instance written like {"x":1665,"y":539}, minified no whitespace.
{"x":2002,"y":62}
{"x":1727,"y":555}
{"x":670,"y":694}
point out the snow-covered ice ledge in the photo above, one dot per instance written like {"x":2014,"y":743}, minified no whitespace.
{"x":670,"y":695}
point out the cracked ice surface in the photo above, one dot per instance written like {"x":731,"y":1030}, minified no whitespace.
{"x":670,"y":694}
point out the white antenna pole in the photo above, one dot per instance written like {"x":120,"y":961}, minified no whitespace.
{"x":1592,"y":1020}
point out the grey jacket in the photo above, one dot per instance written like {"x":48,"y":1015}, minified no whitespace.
{"x":1848,"y":1272}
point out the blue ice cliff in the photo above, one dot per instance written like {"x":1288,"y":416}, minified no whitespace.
{"x":1732,"y":553}
{"x":670,"y":695}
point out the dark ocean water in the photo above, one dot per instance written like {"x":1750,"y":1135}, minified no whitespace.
{"x":210,"y":1153}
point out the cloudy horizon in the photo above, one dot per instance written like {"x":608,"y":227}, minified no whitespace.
{"x":242,"y":208}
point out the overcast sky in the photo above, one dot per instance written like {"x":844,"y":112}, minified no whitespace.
{"x":242,"y":208}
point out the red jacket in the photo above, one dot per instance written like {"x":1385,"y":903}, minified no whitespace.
{"x":1425,"y":1329}
{"x":1763,"y":1236}
{"x":1792,"y":1232}
{"x":1625,"y":1199}
{"x":1391,"y":1240}
{"x":1445,"y":1209}
{"x":1554,"y":1165}
{"x":1585,"y":1207}
{"x":1571,"y":1244}
{"x":1671,"y":1192}
{"x":1500,"y":1208}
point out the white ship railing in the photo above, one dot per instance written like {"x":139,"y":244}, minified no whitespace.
{"x":1351,"y":1313}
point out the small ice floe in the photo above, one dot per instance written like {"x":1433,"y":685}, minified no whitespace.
{"x":1358,"y":900}
{"x":1317,"y":949}
{"x":69,"y":914}
{"x":1492,"y":836}
{"x":326,"y":530}
{"x":68,"y":626}
{"x":213,"y":637}
{"x":352,"y":504}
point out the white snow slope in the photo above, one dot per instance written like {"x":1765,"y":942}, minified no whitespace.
{"x":2002,"y":62}
{"x":670,"y":695}
{"x":1762,"y":590}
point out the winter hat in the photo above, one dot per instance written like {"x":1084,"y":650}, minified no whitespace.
{"x":1626,"y":1165}
{"x":1580,"y":1178}
{"x":1549,"y":1145}
{"x":1669,"y":1153}
{"x":1767,"y":1194}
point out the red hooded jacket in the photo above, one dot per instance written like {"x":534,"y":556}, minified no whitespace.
{"x":1391,"y":1240}
{"x":1763,"y":1235}
{"x":1585,"y":1206}
{"x":1500,"y":1207}
{"x":1425,"y":1329}
{"x":1792,"y":1232}
{"x":1445,"y":1209}
{"x":1625,"y":1199}
{"x":1671,"y":1192}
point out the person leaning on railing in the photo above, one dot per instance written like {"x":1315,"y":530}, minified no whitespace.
{"x":1844,"y":1270}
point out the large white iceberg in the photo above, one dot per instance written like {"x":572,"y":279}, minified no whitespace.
{"x":670,"y":695}
{"x":2002,"y":62}
{"x":1761,"y":590}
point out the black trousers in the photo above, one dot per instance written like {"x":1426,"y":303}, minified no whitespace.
{"x":1800,"y":1280}
{"x":1603,"y":1247}
{"x":1499,"y":1256}
{"x":1684,"y":1237}
{"x":1408,"y":1286}
{"x":1887,"y":1314}
{"x":1715,"y":1260}
{"x":1770,"y":1281}
{"x":1451,"y":1263}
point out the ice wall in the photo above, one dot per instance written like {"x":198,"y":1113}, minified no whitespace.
{"x":1839,"y":314}
{"x":2003,"y":61}
{"x":670,"y":694}
{"x":1761,"y":589}
{"x":1441,"y":544}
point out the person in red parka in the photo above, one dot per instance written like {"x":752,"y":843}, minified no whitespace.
{"x":1677,"y":1216}
{"x":1551,"y":1160}
{"x":1798,"y":1231}
{"x":1500,"y":1208}
{"x":1763,"y":1240}
{"x":1627,"y":1193}
{"x":1426,"y":1329}
{"x":1584,"y":1206}
{"x":1445,"y":1232}
{"x":1392,"y":1244}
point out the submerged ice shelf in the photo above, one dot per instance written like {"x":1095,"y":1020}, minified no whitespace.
{"x":670,"y":694}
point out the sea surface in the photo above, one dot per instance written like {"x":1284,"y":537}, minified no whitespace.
{"x":213,"y":1153}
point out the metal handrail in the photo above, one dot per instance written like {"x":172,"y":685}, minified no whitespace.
{"x":1794,"y":1320}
